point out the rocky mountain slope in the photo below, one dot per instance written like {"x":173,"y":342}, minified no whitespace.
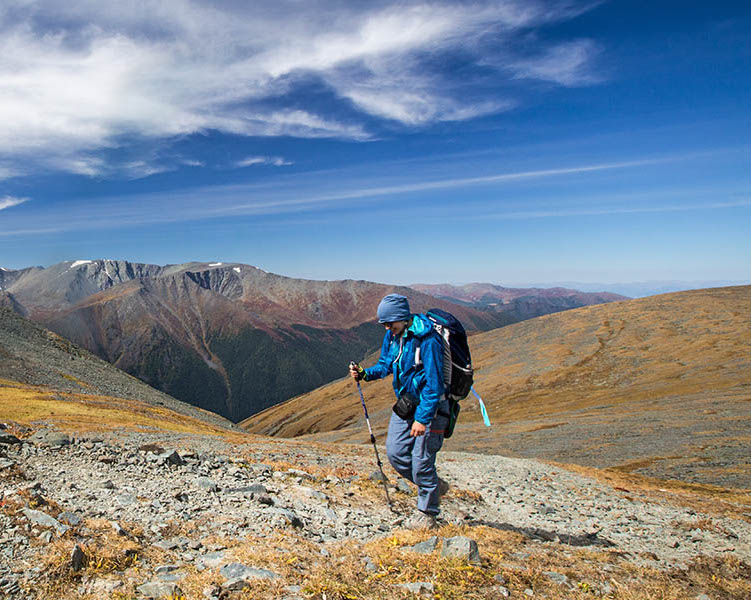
{"x":127,"y":514}
{"x":658,"y":386}
{"x":41,"y":373}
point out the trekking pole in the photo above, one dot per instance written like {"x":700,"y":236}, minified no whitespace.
{"x":373,"y":440}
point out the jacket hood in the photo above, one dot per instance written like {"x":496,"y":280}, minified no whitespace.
{"x":421,"y":325}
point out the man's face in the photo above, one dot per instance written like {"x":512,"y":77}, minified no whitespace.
{"x":396,"y":328}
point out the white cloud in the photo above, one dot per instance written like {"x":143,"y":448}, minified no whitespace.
{"x":83,"y":76}
{"x":566,"y":64}
{"x":9,"y":201}
{"x":276,"y":161}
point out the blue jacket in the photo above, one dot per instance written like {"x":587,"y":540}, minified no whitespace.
{"x":422,"y":382}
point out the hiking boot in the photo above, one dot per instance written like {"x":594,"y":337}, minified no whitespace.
{"x":421,"y":520}
{"x":443,"y":487}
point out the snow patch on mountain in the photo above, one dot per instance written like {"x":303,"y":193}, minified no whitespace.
{"x":78,"y":263}
{"x":236,"y":269}
{"x":216,"y":264}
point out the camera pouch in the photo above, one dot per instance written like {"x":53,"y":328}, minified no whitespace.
{"x":405,"y":407}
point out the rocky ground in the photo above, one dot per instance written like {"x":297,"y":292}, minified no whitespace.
{"x":180,"y":507}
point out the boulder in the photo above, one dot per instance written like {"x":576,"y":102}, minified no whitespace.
{"x":426,"y":547}
{"x":159,"y":589}
{"x":420,"y":588}
{"x":463,"y":548}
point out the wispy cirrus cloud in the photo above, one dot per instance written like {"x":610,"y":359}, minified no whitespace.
{"x":81,"y":77}
{"x":275,"y":161}
{"x":10,"y":201}
{"x":298,"y":195}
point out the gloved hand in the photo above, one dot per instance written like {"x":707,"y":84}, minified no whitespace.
{"x":356,"y":371}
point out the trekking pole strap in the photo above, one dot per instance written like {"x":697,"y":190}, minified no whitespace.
{"x":483,"y":410}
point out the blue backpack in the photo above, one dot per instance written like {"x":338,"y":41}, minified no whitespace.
{"x":457,"y":362}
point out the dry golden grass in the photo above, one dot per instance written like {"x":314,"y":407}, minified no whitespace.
{"x":342,"y":574}
{"x":73,"y":412}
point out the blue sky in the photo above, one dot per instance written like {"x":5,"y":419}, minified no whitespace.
{"x":500,"y":141}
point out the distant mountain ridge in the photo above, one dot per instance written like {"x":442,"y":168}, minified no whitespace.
{"x":517,"y":304}
{"x":641,"y":289}
{"x":227,"y":337}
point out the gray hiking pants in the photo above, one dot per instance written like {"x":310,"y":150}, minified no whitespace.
{"x":414,"y":458}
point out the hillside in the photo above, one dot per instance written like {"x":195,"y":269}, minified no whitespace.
{"x":659,"y":386}
{"x":45,"y":376}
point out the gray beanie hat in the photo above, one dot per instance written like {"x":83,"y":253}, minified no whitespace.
{"x":393,"y":307}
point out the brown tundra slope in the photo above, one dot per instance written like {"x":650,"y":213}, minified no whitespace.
{"x":660,"y":386}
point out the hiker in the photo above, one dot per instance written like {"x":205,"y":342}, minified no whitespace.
{"x":413,"y":352}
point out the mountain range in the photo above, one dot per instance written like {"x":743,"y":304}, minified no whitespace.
{"x":232,"y":338}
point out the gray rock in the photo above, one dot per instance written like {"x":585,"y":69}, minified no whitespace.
{"x":370,"y":566}
{"x":421,"y":588}
{"x":255,"y":488}
{"x":502,"y":591}
{"x":8,"y":439}
{"x":236,"y":571}
{"x":167,"y":544}
{"x":159,"y":589}
{"x":172,"y":457}
{"x":529,"y":592}
{"x":126,"y":499}
{"x":162,"y":569}
{"x":5,"y":463}
{"x":463,"y":548}
{"x":311,"y":493}
{"x":426,"y":547}
{"x":39,"y":518}
{"x":77,"y":558}
{"x":70,"y":518}
{"x":703,"y":597}
{"x":558,"y":578}
{"x":403,"y":486}
{"x":235,"y":585}
{"x":52,"y":439}
{"x":207,"y":484}
{"x":378,"y":476}
{"x":213,"y":559}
